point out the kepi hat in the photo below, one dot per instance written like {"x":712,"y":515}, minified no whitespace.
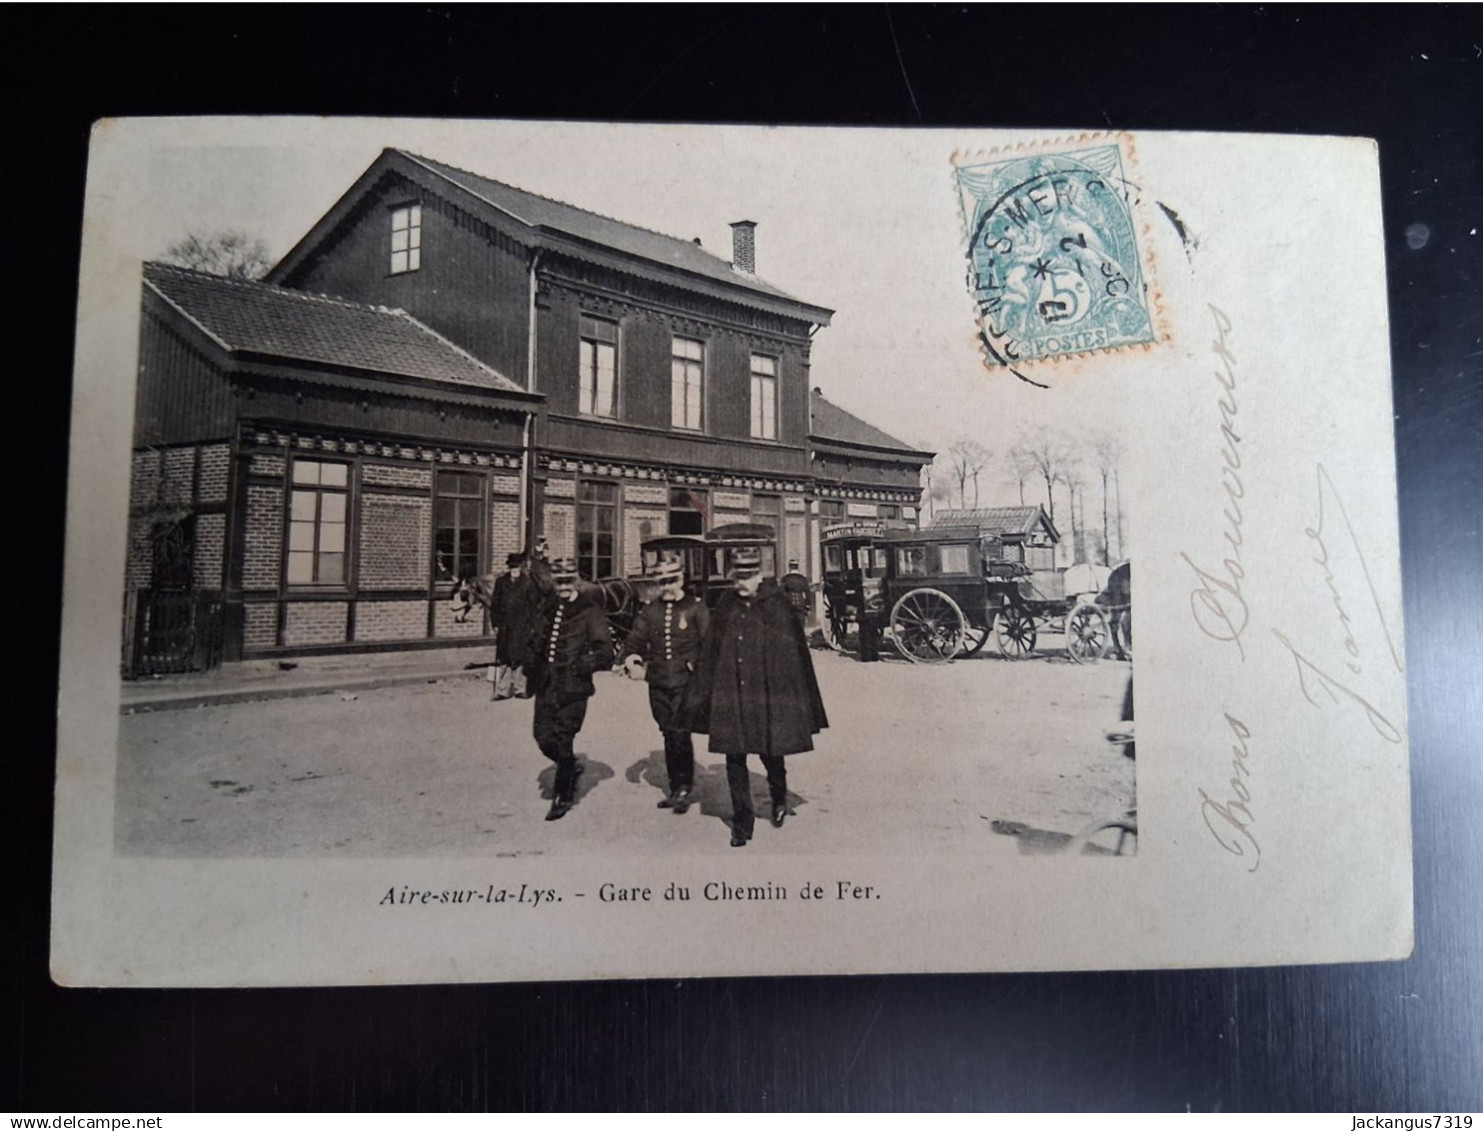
{"x":514,"y":560}
{"x":564,"y":569}
{"x":668,"y":568}
{"x":746,"y":561}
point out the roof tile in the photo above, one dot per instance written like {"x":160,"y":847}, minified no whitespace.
{"x":260,"y":318}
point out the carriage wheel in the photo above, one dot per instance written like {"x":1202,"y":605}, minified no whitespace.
{"x":927,"y":626}
{"x":974,"y":639}
{"x":1014,"y":629}
{"x":1107,"y":836}
{"x":1088,"y":634}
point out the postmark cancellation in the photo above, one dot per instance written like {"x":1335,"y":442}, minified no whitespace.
{"x":1058,"y":260}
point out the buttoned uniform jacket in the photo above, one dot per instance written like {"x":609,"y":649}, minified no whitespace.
{"x":667,"y":636}
{"x":754,"y":690}
{"x":562,"y":658}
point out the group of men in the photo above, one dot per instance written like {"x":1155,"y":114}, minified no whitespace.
{"x":740,"y":673}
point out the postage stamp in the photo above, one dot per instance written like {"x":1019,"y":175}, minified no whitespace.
{"x":1054,"y":256}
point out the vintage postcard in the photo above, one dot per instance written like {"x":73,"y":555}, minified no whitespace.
{"x":519,"y":550}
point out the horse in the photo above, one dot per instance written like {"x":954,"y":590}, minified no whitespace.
{"x":469,"y":592}
{"x":1117,"y":599}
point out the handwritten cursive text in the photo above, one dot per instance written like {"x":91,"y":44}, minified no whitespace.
{"x":1230,"y":821}
{"x":1218,"y":603}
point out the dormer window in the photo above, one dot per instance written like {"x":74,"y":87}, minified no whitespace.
{"x":406,"y":238}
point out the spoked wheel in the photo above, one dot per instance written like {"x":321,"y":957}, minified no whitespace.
{"x":1107,"y":836}
{"x":1088,"y":634}
{"x":928,"y":626}
{"x":974,"y":639}
{"x":1014,"y":629}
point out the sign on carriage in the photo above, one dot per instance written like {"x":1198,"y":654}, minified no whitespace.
{"x":449,"y":530}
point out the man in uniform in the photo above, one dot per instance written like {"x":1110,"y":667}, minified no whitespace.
{"x":754,"y":690}
{"x":571,"y":641}
{"x":506,"y":674}
{"x":664,"y":644}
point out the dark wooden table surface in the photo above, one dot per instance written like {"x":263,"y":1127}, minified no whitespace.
{"x":1403,"y":1036}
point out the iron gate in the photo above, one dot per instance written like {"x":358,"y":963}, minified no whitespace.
{"x":175,"y":631}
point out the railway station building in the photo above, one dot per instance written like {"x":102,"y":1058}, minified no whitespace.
{"x":445,"y":367}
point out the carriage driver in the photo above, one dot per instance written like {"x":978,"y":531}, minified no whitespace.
{"x":571,"y":640}
{"x":664,"y":644}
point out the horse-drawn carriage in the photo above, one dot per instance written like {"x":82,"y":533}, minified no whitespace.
{"x":941,"y":593}
{"x":707,"y":560}
{"x":708,"y":563}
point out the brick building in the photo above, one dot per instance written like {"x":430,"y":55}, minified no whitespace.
{"x":327,"y":467}
{"x":493,"y":364}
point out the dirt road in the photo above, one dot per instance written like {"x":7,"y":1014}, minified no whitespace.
{"x":981,"y":755}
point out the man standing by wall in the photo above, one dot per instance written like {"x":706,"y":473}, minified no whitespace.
{"x":754,"y":691}
{"x":506,"y":674}
{"x":527,"y":593}
{"x":665,"y":645}
{"x":571,"y":641}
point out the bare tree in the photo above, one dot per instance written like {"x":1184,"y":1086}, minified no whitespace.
{"x":1021,"y":466}
{"x":967,"y":460}
{"x":1104,"y":453}
{"x":1046,"y":453}
{"x":235,"y":255}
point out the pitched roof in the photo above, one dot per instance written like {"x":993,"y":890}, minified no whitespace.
{"x":829,"y":422}
{"x":543,"y":212}
{"x":258,"y":318}
{"x":997,"y":521}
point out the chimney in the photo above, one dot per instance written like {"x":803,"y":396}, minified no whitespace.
{"x":744,"y":246}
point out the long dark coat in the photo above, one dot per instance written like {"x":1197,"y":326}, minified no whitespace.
{"x":499,"y":618}
{"x":754,"y":690}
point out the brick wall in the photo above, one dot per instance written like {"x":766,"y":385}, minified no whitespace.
{"x":144,"y":480}
{"x":639,"y":523}
{"x":179,"y":476}
{"x":206,"y":570}
{"x":504,"y":532}
{"x":260,"y":626}
{"x":215,"y":466}
{"x":263,"y":552}
{"x":561,"y":488}
{"x":264,"y":463}
{"x":445,"y":626}
{"x":315,"y":622}
{"x":395,"y":541}
{"x":504,"y":484}
{"x":560,"y":529}
{"x":139,"y":566}
{"x":391,"y":620}
{"x":387,"y":475}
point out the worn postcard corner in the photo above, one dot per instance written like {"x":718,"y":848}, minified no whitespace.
{"x":476,"y":571}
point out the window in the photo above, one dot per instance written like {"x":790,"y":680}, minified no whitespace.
{"x":889,"y":513}
{"x":598,"y":382}
{"x":406,"y":238}
{"x":765,"y":510}
{"x":833,"y":559}
{"x":954,"y":559}
{"x":457,"y":510}
{"x":764,"y":397}
{"x":911,"y":561}
{"x":597,"y":523}
{"x":316,"y":523}
{"x":831,"y":510}
{"x":687,"y":368}
{"x":687,"y":511}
